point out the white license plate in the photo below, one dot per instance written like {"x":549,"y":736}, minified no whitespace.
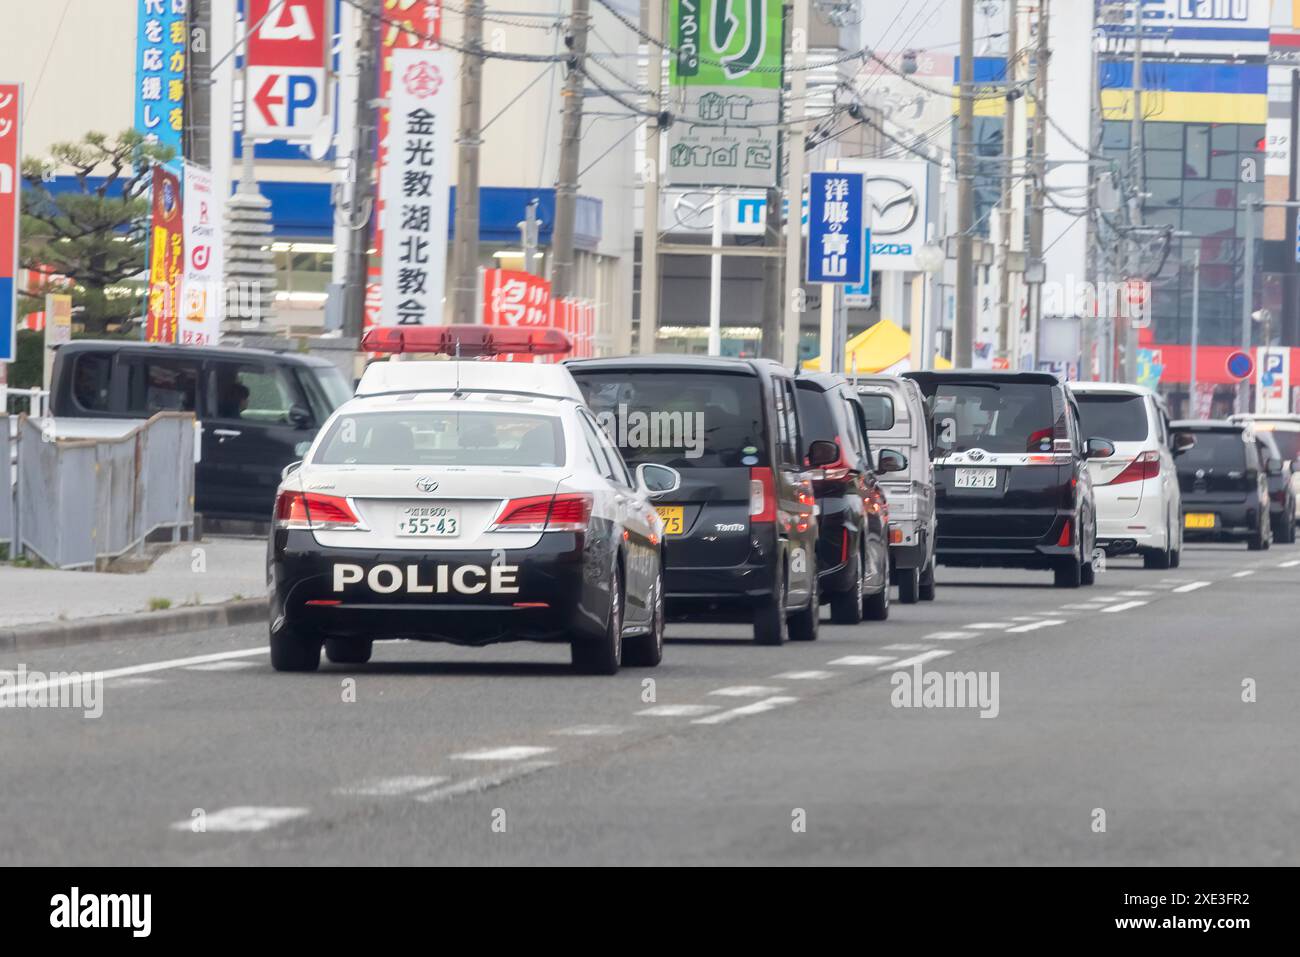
{"x":432,"y":521}
{"x":976,"y":478}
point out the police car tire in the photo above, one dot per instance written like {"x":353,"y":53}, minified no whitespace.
{"x":846,"y":606}
{"x":770,"y":624}
{"x":295,"y":650}
{"x":927,"y":582}
{"x":646,"y":651}
{"x":348,"y":651}
{"x":602,"y":656}
{"x":909,"y":585}
{"x":803,"y":623}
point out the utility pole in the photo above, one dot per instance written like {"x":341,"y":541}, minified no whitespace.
{"x":964,"y":324}
{"x":464,"y":257}
{"x":363,"y":168}
{"x":1009,"y":147}
{"x":1136,"y":170}
{"x":1192,"y":402}
{"x":566,"y":183}
{"x":794,"y":156}
{"x":198,"y":112}
{"x":650,"y":184}
{"x":1038,"y":197}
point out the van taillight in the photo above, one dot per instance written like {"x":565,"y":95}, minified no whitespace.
{"x":327,"y":513}
{"x":762,"y":495}
{"x":1065,"y":541}
{"x":1145,"y":466}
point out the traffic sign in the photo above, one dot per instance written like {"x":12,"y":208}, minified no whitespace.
{"x":287,"y":69}
{"x":1240,"y":365}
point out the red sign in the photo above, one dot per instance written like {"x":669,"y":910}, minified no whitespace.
{"x":513,"y":298}
{"x":10,"y":183}
{"x":407,"y":24}
{"x":166,"y":258}
{"x":295,"y":34}
{"x":576,"y":318}
{"x":287,"y":63}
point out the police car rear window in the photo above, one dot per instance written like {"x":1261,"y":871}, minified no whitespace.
{"x":443,"y":437}
{"x":680,"y":418}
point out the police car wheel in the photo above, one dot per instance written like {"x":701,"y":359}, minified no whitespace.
{"x":846,"y":606}
{"x":927,"y":582}
{"x":602,"y":656}
{"x":293,"y":649}
{"x":770,"y":624}
{"x":348,"y":651}
{"x":646,"y":651}
{"x":909,"y":585}
{"x":803,"y":623}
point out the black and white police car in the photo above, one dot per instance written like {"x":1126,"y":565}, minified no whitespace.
{"x":469,"y":502}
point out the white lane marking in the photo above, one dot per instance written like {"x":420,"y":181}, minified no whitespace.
{"x":865,"y":660}
{"x":678,"y":710}
{"x":511,"y":752}
{"x":916,"y":660}
{"x":1244,"y":574}
{"x":243,"y":818}
{"x":906,"y":646}
{"x":746,"y":691}
{"x":805,"y":675}
{"x":1034,"y":626}
{"x":1086,"y":605}
{"x":140,"y":682}
{"x":223,"y":666}
{"x":1132,"y":594}
{"x":391,"y":787}
{"x":591,"y":730}
{"x":988,"y":625}
{"x":1124,"y":606}
{"x":744,"y":711}
{"x":12,"y":691}
{"x":949,"y":635}
{"x":1191,"y":586}
{"x":1291,"y":564}
{"x":1023,"y":618}
{"x":484,"y":782}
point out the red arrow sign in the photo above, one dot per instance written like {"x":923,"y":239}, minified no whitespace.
{"x":265,"y":100}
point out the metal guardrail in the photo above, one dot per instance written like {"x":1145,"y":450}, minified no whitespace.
{"x":79,"y":501}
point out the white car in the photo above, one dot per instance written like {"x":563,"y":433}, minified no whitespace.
{"x":469,"y":502}
{"x":1285,"y":430}
{"x":1139,"y":505}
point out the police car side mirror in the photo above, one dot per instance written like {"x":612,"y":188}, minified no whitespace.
{"x":1100,"y":448}
{"x":289,"y":470}
{"x":1183,"y":442}
{"x":655,"y":479}
{"x":890,"y":461}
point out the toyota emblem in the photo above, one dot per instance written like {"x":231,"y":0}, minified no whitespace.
{"x":426,"y":484}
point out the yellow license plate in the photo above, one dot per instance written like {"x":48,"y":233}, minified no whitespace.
{"x":673,"y":518}
{"x":1198,"y":520}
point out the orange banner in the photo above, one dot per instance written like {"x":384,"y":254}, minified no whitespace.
{"x":166,"y":258}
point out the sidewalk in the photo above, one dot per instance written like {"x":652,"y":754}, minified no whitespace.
{"x":190,"y":574}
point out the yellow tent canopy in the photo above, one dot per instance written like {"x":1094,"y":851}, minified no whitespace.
{"x":882,"y":348}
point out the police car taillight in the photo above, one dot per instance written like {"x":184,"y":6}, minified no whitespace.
{"x":465,"y":340}
{"x":566,"y":512}
{"x":312,"y":510}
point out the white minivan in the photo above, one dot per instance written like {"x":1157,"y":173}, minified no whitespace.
{"x":1139,"y":506}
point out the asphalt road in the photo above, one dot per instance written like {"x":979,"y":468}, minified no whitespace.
{"x":1125,"y":699}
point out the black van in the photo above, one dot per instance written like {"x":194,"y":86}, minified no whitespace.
{"x":259,"y":409}
{"x":1011,"y":480}
{"x":853,"y":525}
{"x":741,"y":532}
{"x":1224,"y":481}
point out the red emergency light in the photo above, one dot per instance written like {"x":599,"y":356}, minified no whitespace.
{"x":466,"y":340}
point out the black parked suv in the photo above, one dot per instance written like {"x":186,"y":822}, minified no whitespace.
{"x":259,"y":410}
{"x":1012,"y":487}
{"x":1224,"y":481}
{"x":853,"y":525}
{"x":741,"y":532}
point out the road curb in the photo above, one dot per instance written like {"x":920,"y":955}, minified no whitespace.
{"x":139,"y":625}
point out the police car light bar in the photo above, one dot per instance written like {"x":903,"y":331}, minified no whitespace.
{"x":466,"y":340}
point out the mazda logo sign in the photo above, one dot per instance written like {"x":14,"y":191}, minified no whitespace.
{"x":894,"y":205}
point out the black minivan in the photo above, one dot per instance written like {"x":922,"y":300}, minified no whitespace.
{"x":1224,"y":481}
{"x":259,"y":410}
{"x":741,"y":531}
{"x":853,"y":523}
{"x":1011,"y":480}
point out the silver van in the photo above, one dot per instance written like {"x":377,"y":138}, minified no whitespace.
{"x":897,"y":419}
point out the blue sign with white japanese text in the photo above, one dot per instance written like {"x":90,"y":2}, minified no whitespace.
{"x":835,"y":228}
{"x":160,"y":72}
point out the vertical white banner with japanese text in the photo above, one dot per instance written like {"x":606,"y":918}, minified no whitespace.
{"x":201,"y":296}
{"x":416,"y":185}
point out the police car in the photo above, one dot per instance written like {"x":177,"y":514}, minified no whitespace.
{"x":469,"y":502}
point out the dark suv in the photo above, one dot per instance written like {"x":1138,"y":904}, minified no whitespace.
{"x":1224,"y":481}
{"x":1011,"y":480}
{"x":853,"y":526}
{"x":741,"y":532}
